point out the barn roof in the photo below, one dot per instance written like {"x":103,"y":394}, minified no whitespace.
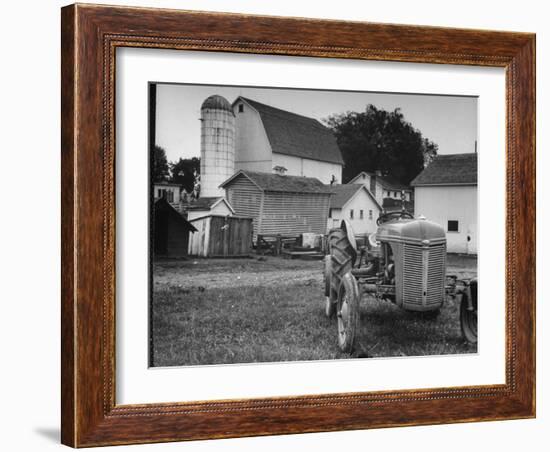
{"x":341,"y":194}
{"x":451,"y":169}
{"x":292,"y":134}
{"x":280,"y":183}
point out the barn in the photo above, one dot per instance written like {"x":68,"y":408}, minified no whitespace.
{"x":355,"y":203}
{"x":446,"y":192}
{"x":267,"y":137}
{"x":279,"y":204}
{"x":170,"y":230}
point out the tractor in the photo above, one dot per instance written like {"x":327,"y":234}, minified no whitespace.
{"x":403,"y":262}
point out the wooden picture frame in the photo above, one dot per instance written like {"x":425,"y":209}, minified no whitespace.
{"x":90,"y":35}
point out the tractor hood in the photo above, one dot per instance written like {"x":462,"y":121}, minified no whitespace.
{"x":418,"y":231}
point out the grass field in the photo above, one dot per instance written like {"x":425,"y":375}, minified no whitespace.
{"x":215,"y":311}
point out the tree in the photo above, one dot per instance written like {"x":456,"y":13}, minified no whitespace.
{"x":160,"y":165}
{"x":380,"y":140}
{"x":183,"y":172}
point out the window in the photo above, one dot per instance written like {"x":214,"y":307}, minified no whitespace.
{"x":330,"y":213}
{"x":370,"y":214}
{"x":361,"y":214}
{"x":241,"y":108}
{"x":351,"y":214}
{"x":452,"y":226}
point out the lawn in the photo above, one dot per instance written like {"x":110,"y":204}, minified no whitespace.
{"x":249,"y":310}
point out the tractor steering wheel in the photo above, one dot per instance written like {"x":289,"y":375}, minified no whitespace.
{"x":394,"y":215}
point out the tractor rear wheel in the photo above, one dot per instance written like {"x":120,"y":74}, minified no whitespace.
{"x":468,"y":318}
{"x":342,"y":253}
{"x":347,"y":312}
{"x":337,"y":264}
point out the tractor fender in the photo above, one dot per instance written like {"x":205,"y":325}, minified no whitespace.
{"x":346,"y":227}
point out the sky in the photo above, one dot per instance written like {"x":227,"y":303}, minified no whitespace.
{"x":449,"y":121}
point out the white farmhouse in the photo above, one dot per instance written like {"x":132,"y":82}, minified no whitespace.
{"x":269,"y":139}
{"x":167,"y":190}
{"x":355,"y":203}
{"x":382,"y":187}
{"x":446,"y":193}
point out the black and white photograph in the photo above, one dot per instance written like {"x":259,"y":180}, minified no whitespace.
{"x":297,"y":225}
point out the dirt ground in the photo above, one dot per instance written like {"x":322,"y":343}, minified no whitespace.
{"x":224,"y":273}
{"x":263,"y":271}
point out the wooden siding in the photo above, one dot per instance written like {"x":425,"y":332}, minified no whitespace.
{"x":246,"y":199}
{"x":230,"y":236}
{"x":278,"y":212}
{"x":221,"y":236}
{"x":294,"y":213}
{"x":198,"y":241}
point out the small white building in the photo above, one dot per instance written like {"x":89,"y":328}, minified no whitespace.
{"x":267,"y":137}
{"x":167,"y":190}
{"x":382,"y":187}
{"x":208,"y":206}
{"x":446,"y":193}
{"x":355,"y":203}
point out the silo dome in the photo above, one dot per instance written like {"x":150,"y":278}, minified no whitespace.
{"x":216,"y":102}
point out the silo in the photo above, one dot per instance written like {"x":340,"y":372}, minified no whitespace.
{"x":217,"y":145}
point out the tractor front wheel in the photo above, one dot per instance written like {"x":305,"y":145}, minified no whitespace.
{"x":468,"y":318}
{"x":330,"y":307}
{"x":347,"y":311}
{"x":330,"y":299}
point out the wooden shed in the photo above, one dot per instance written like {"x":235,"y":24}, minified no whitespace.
{"x":170,"y":231}
{"x":221,"y":236}
{"x":279,"y":204}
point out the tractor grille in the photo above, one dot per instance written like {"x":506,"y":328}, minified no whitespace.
{"x":423,"y":274}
